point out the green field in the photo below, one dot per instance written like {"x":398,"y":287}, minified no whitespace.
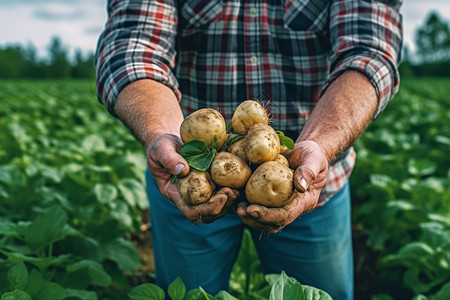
{"x":74,"y":213}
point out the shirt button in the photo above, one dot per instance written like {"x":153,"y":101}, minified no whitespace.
{"x":254,"y":60}
{"x":253,"y":11}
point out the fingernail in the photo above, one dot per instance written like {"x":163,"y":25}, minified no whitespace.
{"x":179,"y":168}
{"x":303,"y":183}
{"x":255,"y":215}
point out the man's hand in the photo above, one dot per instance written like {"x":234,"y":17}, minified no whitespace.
{"x":164,"y":162}
{"x":311,"y":173}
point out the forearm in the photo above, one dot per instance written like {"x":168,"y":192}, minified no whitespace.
{"x":149,"y":109}
{"x":342,"y":114}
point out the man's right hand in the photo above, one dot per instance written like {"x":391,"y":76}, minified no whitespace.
{"x":164,"y":162}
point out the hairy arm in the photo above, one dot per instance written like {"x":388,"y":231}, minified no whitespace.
{"x":342,"y":114}
{"x":149,"y":109}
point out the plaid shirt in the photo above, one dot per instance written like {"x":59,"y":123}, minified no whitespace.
{"x":217,"y":53}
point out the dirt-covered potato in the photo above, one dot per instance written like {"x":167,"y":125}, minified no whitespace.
{"x":197,"y":187}
{"x":282,"y":160}
{"x":261,"y":144}
{"x":230,"y":170}
{"x":203,"y":125}
{"x":247,"y":114}
{"x":271,"y":185}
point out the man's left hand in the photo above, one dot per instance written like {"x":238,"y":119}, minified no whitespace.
{"x":311,"y":172}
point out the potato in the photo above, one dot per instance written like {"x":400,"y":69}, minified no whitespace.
{"x":271,"y":185}
{"x":230,"y":170}
{"x":247,"y":114}
{"x":238,"y":148}
{"x":262,"y":144}
{"x":197,"y":187}
{"x":203,"y":125}
{"x":282,"y":160}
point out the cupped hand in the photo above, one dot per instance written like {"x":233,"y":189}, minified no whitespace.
{"x":164,"y":162}
{"x":311,"y":172}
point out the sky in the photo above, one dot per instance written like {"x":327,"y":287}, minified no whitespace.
{"x":79,"y":22}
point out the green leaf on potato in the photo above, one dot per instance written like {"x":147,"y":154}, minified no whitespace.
{"x":285,"y":141}
{"x":193,"y":148}
{"x":197,"y":154}
{"x":229,"y":142}
{"x":229,"y":127}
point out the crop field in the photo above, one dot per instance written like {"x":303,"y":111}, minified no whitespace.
{"x":74,"y":212}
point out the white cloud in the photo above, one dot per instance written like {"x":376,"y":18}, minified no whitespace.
{"x":58,"y":15}
{"x":77,"y":23}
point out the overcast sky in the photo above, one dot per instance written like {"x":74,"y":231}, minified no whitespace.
{"x":79,"y":22}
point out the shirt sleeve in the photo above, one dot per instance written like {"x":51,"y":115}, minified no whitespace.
{"x":367,"y":36}
{"x":138,"y":42}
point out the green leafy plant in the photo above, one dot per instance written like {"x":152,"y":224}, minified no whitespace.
{"x":280,"y":287}
{"x":401,"y":195}
{"x":72,"y":197}
{"x":71,"y":194}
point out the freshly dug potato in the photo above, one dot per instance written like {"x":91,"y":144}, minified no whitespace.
{"x":238,"y":148}
{"x":282,"y":160}
{"x":197,"y":187}
{"x":247,"y":114}
{"x":203,"y":125}
{"x":230,"y":170}
{"x":262,"y":144}
{"x":271,"y":185}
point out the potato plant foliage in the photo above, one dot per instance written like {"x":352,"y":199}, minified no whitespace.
{"x":72,"y":194}
{"x":401,"y":196}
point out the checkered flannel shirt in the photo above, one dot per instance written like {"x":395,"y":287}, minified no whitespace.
{"x":217,"y":53}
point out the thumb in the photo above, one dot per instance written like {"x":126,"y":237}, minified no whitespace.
{"x":162,"y":152}
{"x":312,"y":170}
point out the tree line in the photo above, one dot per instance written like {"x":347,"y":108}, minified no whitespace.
{"x":431,"y":57}
{"x":23,"y":62}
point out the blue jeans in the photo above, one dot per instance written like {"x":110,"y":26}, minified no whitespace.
{"x":316,"y":249}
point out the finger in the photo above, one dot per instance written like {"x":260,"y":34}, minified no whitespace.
{"x":231,"y":194}
{"x":262,"y":227}
{"x":266,"y":219}
{"x":163,"y":151}
{"x":211,"y":209}
{"x":275,"y":218}
{"x":312,"y":169}
{"x":224,"y":198}
{"x":217,"y":203}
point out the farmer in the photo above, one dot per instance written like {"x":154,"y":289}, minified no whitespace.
{"x":326,"y":69}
